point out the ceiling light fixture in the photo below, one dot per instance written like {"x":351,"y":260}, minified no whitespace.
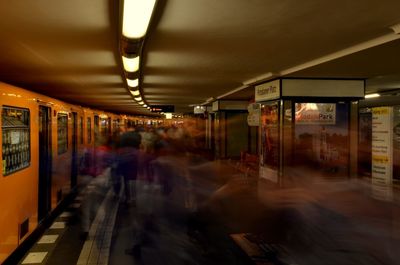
{"x":135,"y":92}
{"x":141,"y":102}
{"x":374,"y":95}
{"x":145,"y":105}
{"x":136,"y":17}
{"x":131,"y":64}
{"x":139,"y":98}
{"x":132,"y":83}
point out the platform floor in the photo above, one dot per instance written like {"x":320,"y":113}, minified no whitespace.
{"x":115,"y":226}
{"x":344,"y":226}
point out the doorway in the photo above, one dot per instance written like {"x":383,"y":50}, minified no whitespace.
{"x":74,"y":163}
{"x":45,"y":161}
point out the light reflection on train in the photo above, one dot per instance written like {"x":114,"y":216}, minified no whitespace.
{"x":43,"y":142}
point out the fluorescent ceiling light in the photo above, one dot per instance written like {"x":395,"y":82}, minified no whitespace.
{"x":132,"y":83}
{"x":136,"y":17}
{"x":139,"y":98}
{"x":374,"y":95}
{"x":131,"y":64}
{"x":135,"y":92}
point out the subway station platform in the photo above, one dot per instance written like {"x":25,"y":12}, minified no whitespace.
{"x":236,"y":227}
{"x":114,"y":226}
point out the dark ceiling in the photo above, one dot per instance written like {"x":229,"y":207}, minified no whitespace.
{"x":195,"y":49}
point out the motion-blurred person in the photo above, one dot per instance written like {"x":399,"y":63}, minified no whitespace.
{"x":162,"y":201}
{"x":115,"y":175}
{"x":98,"y":185}
{"x":127,"y":162}
{"x":147,"y":153}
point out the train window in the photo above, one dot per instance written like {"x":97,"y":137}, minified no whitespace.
{"x":89,"y":130}
{"x":96,"y":130}
{"x":62,"y":133}
{"x":16,"y":139}
{"x":104,"y":127}
{"x":81,"y":129}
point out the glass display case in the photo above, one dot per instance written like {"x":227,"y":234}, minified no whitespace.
{"x":62,"y":133}
{"x":396,"y":144}
{"x":321,"y":138}
{"x":305,"y":129}
{"x":270,"y":135}
{"x":365,"y":142}
{"x":15,"y":139}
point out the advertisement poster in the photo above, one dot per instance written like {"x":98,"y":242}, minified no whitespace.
{"x":382,"y":162}
{"x":322,"y":138}
{"x":316,"y":113}
{"x":270,"y":141}
{"x":253,"y":119}
{"x":396,"y":143}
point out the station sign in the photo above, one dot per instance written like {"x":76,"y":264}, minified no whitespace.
{"x":199,"y":110}
{"x":268,"y":91}
{"x":162,"y":108}
{"x":215,"y":105}
{"x":229,"y":105}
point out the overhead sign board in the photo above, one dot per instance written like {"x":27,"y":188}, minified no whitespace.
{"x":268,"y":91}
{"x":199,"y":109}
{"x":229,"y":105}
{"x":163,"y":108}
{"x":215,"y":105}
{"x":322,"y":88}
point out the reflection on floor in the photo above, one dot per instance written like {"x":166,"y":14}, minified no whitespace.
{"x":222,"y":217}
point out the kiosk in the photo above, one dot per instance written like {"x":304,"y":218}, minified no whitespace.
{"x":305,"y":128}
{"x":230,"y":129}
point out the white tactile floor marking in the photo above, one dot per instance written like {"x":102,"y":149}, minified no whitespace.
{"x":34,"y":257}
{"x":66,"y":214}
{"x":100,"y":231}
{"x":48,"y":239}
{"x":75,"y":205}
{"x":58,"y":225}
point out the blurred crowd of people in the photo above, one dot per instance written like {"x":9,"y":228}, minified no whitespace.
{"x":147,"y":169}
{"x":173,"y":195}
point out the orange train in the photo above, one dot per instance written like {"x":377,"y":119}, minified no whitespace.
{"x":43,"y":141}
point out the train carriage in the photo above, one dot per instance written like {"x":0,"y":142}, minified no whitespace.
{"x":46,"y":146}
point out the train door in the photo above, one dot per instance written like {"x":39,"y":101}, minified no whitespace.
{"x":96,"y":130}
{"x":212,"y":133}
{"x":74,"y":164}
{"x":109,"y":127}
{"x":44,"y":201}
